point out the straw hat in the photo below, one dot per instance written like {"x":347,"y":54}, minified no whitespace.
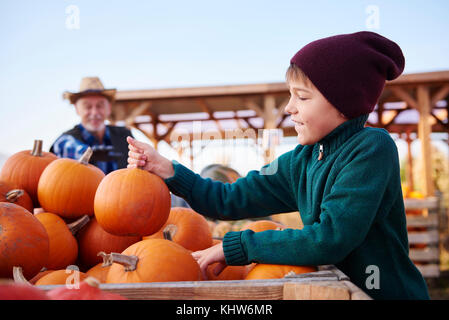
{"x":90,"y":86}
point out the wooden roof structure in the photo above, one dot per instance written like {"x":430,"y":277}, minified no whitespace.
{"x":411,"y":103}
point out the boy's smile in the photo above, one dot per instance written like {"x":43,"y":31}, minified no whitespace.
{"x":313,"y":115}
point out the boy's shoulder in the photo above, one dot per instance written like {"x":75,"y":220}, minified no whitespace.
{"x":374,"y":137}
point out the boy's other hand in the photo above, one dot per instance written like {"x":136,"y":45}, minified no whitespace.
{"x":208,"y":256}
{"x":142,"y":155}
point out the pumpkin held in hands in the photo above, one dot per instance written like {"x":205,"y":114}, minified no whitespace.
{"x":132,"y":202}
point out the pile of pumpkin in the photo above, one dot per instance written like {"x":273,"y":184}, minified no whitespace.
{"x":117,"y":228}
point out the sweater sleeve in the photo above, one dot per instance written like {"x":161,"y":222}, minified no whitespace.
{"x":347,"y":213}
{"x":259,"y":194}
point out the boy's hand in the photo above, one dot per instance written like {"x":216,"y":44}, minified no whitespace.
{"x":144,"y":156}
{"x":208,"y":256}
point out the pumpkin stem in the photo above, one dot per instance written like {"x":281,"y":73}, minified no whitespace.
{"x":129,"y":262}
{"x":76,"y":226}
{"x":106,"y":259}
{"x":169,"y":232}
{"x":86,"y":156}
{"x":14,"y":195}
{"x":37,"y":148}
{"x":18,"y":275}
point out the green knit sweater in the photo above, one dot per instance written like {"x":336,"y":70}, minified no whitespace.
{"x":350,"y":202}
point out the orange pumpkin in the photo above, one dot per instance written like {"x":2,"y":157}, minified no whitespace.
{"x":23,"y":241}
{"x":101,"y":270}
{"x":228,"y":273}
{"x":23,"y":169}
{"x":263,"y":225}
{"x":276,"y":271}
{"x":40,"y":275}
{"x":153,"y":260}
{"x":132,"y":202}
{"x":66,"y":276}
{"x":187,"y":228}
{"x":63,"y":245}
{"x":15,"y":195}
{"x":67,"y":187}
{"x":92,"y":239}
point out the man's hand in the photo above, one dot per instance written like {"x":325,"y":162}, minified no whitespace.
{"x":144,"y":156}
{"x":208,"y":256}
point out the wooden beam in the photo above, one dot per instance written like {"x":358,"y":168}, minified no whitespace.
{"x":440,"y":95}
{"x":405,"y":96}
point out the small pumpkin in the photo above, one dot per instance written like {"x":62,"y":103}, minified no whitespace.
{"x":92,"y":239}
{"x":263,"y":225}
{"x":153,"y":260}
{"x":65,"y":276}
{"x":132,"y":202}
{"x":88,"y":290}
{"x":186,"y":227}
{"x":23,"y":169}
{"x":63,"y":245}
{"x":228,"y":273}
{"x":276,"y":271}
{"x":8,"y":193}
{"x":23,"y":241}
{"x":67,"y":186}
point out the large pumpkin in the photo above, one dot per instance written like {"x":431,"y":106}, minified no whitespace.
{"x":187,"y":228}
{"x":8,"y":193}
{"x":153,"y":260}
{"x":63,"y":245}
{"x":92,"y":239}
{"x":23,"y":169}
{"x":67,"y":187}
{"x":132,"y":202}
{"x":276,"y":271}
{"x":23,"y":241}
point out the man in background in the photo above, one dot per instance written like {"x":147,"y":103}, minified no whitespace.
{"x":93,"y":106}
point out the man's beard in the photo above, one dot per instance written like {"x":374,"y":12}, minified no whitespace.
{"x":93,"y":128}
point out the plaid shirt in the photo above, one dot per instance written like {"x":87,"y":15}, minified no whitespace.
{"x":67,"y":146}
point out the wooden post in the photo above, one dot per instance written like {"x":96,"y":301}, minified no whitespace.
{"x":424,"y":130}
{"x":409,"y":167}
{"x":270,"y":117}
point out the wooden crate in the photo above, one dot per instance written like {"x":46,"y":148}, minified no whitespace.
{"x":328,"y":283}
{"x":423,"y":235}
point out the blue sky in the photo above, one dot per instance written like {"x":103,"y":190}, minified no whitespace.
{"x":161,"y":44}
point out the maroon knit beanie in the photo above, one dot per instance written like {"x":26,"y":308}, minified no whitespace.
{"x":350,"y":69}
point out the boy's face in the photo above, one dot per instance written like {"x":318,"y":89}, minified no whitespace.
{"x":313,"y":115}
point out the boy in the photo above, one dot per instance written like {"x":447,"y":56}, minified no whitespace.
{"x":342,"y":177}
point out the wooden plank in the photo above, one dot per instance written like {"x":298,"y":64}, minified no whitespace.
{"x":356,"y":292}
{"x":420,"y":221}
{"x":416,"y":204}
{"x":425,"y":255}
{"x":425,"y":237}
{"x":322,"y":290}
{"x":429,"y":270}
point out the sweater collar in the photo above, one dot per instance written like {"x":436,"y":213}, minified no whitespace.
{"x":340,"y":134}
